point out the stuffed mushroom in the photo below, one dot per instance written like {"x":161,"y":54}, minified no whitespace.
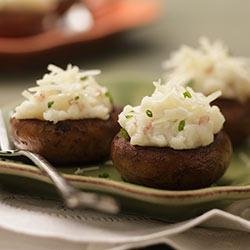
{"x":172,"y":140}
{"x":68,"y":118}
{"x":210,"y":68}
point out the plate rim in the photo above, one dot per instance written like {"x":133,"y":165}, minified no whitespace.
{"x":205,"y":194}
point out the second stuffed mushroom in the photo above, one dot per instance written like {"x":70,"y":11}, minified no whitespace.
{"x":211,"y":67}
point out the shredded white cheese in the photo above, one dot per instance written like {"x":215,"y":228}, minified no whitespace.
{"x":210,"y":67}
{"x":66,"y":95}
{"x":173,"y":116}
{"x":28,"y":5}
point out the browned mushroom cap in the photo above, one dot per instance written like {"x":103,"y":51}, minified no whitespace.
{"x":167,"y":168}
{"x":69,"y":141}
{"x":237,"y":117}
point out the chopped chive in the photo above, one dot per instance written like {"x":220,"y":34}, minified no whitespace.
{"x":149,"y":113}
{"x":83,"y":78}
{"x":181,"y":125}
{"x":103,"y":175}
{"x":77,"y":97}
{"x":109,"y":96}
{"x":128,"y":116}
{"x":50,"y":104}
{"x":123,"y":133}
{"x":187,"y":94}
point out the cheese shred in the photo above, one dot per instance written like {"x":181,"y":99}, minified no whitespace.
{"x":65,"y":95}
{"x":174,"y":121}
{"x":211,"y":67}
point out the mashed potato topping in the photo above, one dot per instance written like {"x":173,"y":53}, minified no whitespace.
{"x":210,"y":68}
{"x":36,"y":5}
{"x":173,"y":116}
{"x":66,"y":95}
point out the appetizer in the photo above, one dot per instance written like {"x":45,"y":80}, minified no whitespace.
{"x":172,"y":140}
{"x":67,"y":118}
{"x":210,"y":68}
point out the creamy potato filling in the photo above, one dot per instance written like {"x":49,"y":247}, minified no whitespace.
{"x":210,"y":67}
{"x":173,"y":116}
{"x":66,"y":95}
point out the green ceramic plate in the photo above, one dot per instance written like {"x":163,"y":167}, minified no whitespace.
{"x":234,"y":185}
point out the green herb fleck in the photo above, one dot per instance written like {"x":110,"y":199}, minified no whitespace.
{"x":187,"y":94}
{"x":181,"y":125}
{"x":128,"y":116}
{"x":77,"y":97}
{"x":83,"y":78}
{"x":103,"y":175}
{"x":109,"y":96}
{"x":50,"y":104}
{"x":149,"y":113}
{"x":190,"y":83}
{"x":123,"y":133}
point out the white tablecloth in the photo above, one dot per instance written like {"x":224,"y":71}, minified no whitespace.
{"x":36,"y":223}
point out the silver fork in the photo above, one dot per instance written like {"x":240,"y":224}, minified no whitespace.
{"x":72,"y":197}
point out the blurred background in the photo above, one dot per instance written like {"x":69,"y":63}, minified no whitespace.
{"x":126,"y":39}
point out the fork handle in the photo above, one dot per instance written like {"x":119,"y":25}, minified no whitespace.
{"x":71,"y":196}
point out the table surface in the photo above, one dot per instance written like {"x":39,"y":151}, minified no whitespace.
{"x":140,"y":54}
